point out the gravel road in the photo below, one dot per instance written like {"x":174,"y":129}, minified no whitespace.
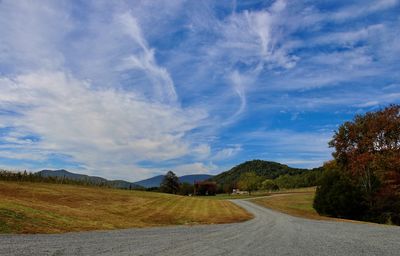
{"x":269,"y":233}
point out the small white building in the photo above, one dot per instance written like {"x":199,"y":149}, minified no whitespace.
{"x":237,"y":191}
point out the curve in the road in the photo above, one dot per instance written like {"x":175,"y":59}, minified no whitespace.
{"x":269,"y":233}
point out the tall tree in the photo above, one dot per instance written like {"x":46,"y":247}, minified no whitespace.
{"x":170,"y":183}
{"x":249,"y":181}
{"x":367,"y":160}
{"x":368,"y":148}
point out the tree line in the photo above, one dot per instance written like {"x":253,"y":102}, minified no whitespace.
{"x":171,"y":184}
{"x":250,"y":181}
{"x":24,"y":176}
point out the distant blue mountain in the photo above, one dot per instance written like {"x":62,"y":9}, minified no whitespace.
{"x":194,"y":177}
{"x":147,"y":183}
{"x":156,"y":180}
{"x":151,"y":182}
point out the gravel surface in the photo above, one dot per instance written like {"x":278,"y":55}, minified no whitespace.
{"x":269,"y":233}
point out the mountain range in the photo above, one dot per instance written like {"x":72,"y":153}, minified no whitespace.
{"x":156,"y":180}
{"x":265,"y":169}
{"x":147,"y":183}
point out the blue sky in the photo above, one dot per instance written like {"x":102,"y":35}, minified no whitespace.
{"x":130,"y":89}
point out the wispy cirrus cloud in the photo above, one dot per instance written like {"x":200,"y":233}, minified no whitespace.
{"x":163,"y":86}
{"x":104,"y":129}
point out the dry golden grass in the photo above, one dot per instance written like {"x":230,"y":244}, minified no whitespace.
{"x":53,"y":208}
{"x":294,"y":202}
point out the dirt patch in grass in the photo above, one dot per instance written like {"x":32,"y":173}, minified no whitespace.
{"x":52,"y":208}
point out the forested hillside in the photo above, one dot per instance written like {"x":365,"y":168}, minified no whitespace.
{"x":264,"y":169}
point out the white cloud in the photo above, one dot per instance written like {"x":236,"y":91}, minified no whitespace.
{"x":163,"y":86}
{"x":348,"y":60}
{"x":239,"y":83}
{"x":291,"y":146}
{"x":356,"y":11}
{"x":201,"y":151}
{"x":310,"y":163}
{"x":227,"y":153}
{"x":392,"y":87}
{"x":75,"y":96}
{"x":194,"y":168}
{"x":247,"y":44}
{"x":30,"y":33}
{"x":255,"y":37}
{"x":102,"y":129}
{"x":351,"y":37}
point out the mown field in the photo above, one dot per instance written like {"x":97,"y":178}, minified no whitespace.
{"x":52,"y":208}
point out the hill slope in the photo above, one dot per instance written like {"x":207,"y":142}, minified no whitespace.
{"x":147,"y":183}
{"x":151,"y":182}
{"x":265,"y":169}
{"x":91,"y":179}
{"x":156,"y":180}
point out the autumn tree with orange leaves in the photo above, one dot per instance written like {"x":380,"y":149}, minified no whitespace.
{"x":367,"y":150}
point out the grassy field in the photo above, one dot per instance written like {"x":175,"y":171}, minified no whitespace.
{"x":296,"y":202}
{"x":299,"y":203}
{"x":51,"y":208}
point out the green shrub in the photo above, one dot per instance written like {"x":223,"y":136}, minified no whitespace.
{"x":186,"y":189}
{"x":269,"y":185}
{"x":385,"y":209}
{"x":337,"y":196}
